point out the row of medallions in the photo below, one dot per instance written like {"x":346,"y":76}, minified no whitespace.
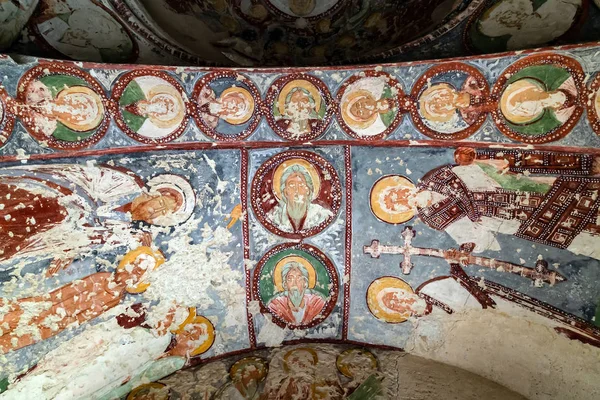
{"x":358,"y":369}
{"x":538,"y":99}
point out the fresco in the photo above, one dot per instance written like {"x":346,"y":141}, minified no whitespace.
{"x":318,"y":371}
{"x":158,"y":219}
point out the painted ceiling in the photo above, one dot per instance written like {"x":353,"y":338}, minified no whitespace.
{"x":177,"y":223}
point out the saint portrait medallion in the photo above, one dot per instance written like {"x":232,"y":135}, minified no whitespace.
{"x":392,"y":300}
{"x":539,"y":98}
{"x":62,"y":106}
{"x":299,"y":107}
{"x":296,"y":194}
{"x":297,"y":284}
{"x":152,"y":106}
{"x":450,"y":101}
{"x":227,"y":106}
{"x":369,"y":105}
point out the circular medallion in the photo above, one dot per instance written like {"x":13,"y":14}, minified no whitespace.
{"x":7,"y":119}
{"x":392,"y":300}
{"x":539,"y":98}
{"x":297,"y":284}
{"x":355,"y":363}
{"x":152,"y":106}
{"x":62,"y":106}
{"x":593,"y":104}
{"x":449,"y":101}
{"x":389,"y":199}
{"x":153,"y":391}
{"x":369,"y":105}
{"x":83,"y":30}
{"x":506,"y":25}
{"x":296,"y":194}
{"x":300,"y":107}
{"x":227,"y":106}
{"x":249,"y":368}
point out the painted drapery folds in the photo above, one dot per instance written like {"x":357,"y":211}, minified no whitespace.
{"x":154,"y":219}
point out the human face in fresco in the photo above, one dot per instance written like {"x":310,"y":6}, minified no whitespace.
{"x":296,"y":189}
{"x":148,"y":208}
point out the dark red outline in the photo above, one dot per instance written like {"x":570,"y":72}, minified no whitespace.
{"x":272,"y":163}
{"x":347,"y":279}
{"x":480,"y":101}
{"x":327,"y":263}
{"x":568,"y":63}
{"x":54,"y":68}
{"x":273,"y":92}
{"x":118,"y":89}
{"x":256,"y":114}
{"x":393,"y":82}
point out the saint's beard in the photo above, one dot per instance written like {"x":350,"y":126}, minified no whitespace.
{"x":296,"y":296}
{"x":297,"y":209}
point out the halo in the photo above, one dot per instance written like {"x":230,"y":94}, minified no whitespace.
{"x":277,"y":279}
{"x":375,"y":288}
{"x":131,"y":256}
{"x":258,"y":363}
{"x":597,"y":103}
{"x":158,"y":90}
{"x":84,"y":90}
{"x":298,"y":83}
{"x":519,"y":85}
{"x":287,"y":355}
{"x":352,"y":120}
{"x":344,"y":361}
{"x":432,"y":89}
{"x":248,"y":97}
{"x":386,"y":183}
{"x":193,"y":318}
{"x":182,"y":187}
{"x":310,"y":168}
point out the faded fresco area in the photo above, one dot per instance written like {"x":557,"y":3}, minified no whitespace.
{"x":403,"y":230}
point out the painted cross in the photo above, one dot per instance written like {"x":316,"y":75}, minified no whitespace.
{"x":463,"y":257}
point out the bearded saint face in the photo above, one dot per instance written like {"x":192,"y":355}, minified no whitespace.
{"x":297,"y":196}
{"x":296,"y":285}
{"x":300,"y":106}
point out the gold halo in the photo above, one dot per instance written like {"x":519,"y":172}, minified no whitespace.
{"x":140,"y":390}
{"x":597,"y":103}
{"x":257,"y":362}
{"x":312,"y":171}
{"x":301,"y":83}
{"x":193,"y":318}
{"x":248,"y":97}
{"x":377,"y":286}
{"x":349,"y":101}
{"x":423,"y":110}
{"x":287,"y":355}
{"x":131,"y":256}
{"x":344,"y":360}
{"x":170,"y":90}
{"x":89,"y":92}
{"x":519,"y":85}
{"x":386,"y":183}
{"x":277,"y":279}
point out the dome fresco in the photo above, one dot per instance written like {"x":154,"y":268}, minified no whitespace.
{"x":260,"y":199}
